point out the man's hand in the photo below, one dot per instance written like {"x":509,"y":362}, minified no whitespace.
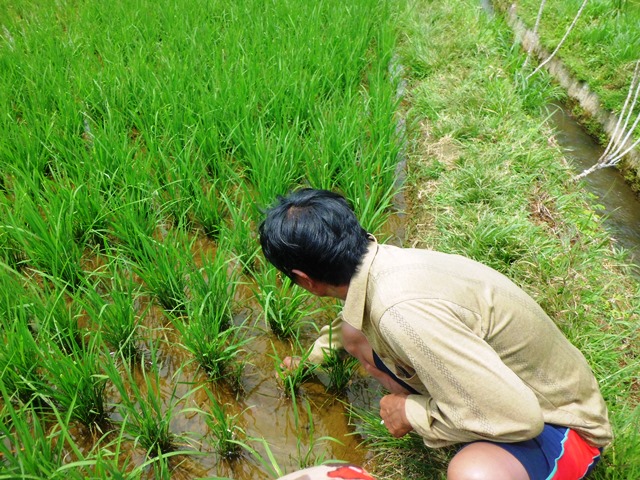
{"x":393,"y":414}
{"x":290,"y":363}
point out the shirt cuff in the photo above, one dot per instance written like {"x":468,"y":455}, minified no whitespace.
{"x":416,"y":408}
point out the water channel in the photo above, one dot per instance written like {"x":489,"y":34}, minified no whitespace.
{"x":621,"y":207}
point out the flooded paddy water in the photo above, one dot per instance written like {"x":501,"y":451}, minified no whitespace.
{"x":295,"y":432}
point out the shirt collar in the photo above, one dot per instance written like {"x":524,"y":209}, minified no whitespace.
{"x":354,"y":304}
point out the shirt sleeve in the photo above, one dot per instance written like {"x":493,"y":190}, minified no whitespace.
{"x":330,"y":339}
{"x":472,"y":394}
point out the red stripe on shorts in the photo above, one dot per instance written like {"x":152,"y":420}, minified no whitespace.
{"x":576,"y":458}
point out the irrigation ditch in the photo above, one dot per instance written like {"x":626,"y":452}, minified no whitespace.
{"x":611,"y":186}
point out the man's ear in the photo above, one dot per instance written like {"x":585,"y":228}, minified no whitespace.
{"x":302,"y":279}
{"x":305,"y":281}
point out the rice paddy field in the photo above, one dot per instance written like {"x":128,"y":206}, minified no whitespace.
{"x":139,"y":143}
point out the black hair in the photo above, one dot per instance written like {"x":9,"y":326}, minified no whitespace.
{"x":316,"y":232}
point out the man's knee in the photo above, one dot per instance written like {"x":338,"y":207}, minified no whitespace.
{"x":485,"y":461}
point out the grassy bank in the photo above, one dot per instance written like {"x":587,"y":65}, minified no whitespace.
{"x":486,"y":179}
{"x":602,"y":49}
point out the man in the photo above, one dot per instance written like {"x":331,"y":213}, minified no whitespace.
{"x":467,"y":356}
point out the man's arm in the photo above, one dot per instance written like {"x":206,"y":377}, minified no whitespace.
{"x":473,"y":394}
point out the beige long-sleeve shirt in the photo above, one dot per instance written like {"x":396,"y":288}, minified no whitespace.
{"x":487,"y":360}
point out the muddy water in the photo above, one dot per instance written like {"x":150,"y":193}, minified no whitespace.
{"x":621,"y":205}
{"x":262,"y":410}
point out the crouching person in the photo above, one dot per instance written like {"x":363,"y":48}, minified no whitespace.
{"x":467,"y":356}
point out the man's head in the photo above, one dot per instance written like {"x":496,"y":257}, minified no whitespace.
{"x":315,"y":232}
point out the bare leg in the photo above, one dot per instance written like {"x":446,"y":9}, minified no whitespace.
{"x":485,"y":461}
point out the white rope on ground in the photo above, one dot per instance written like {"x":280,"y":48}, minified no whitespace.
{"x":535,"y":33}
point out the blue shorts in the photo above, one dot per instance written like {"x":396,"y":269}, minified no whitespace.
{"x":558,"y":453}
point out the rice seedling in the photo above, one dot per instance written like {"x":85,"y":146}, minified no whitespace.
{"x":284,"y":304}
{"x":53,"y":316}
{"x":228,"y":435}
{"x":307,"y":454}
{"x":292,"y":377}
{"x":29,"y":447}
{"x":134,"y":219}
{"x":208,"y":209}
{"x":163,"y":266}
{"x":145,"y":410}
{"x":21,"y":360}
{"x":119,"y":316}
{"x":207,"y":328}
{"x":74,"y":382}
{"x":340,"y":368}
{"x":47,"y":236}
{"x":216,"y":348}
{"x":239,"y":233}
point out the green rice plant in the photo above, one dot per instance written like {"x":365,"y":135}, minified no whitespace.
{"x":90,"y":215}
{"x":53,"y":317}
{"x":239,"y":233}
{"x":208,"y":331}
{"x":340,"y":368}
{"x":307,"y":451}
{"x":208,"y":209}
{"x":163,"y":265}
{"x":270,"y":179}
{"x":21,"y":360}
{"x":212,"y":288}
{"x":11,"y":252}
{"x":120,"y":315}
{"x":30,"y":449}
{"x":146,"y":411}
{"x":284,"y":304}
{"x":46,"y":232}
{"x":216,"y":348}
{"x":292,"y":377}
{"x":134,"y":220}
{"x":75,"y":383}
{"x":228,"y":436}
